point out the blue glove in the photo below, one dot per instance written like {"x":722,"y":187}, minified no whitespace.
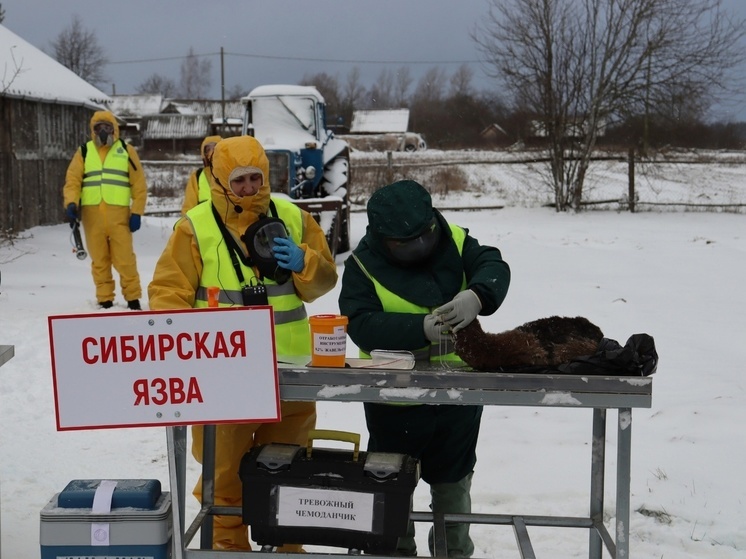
{"x":289,"y":255}
{"x":460,"y":311}
{"x":134,"y":222}
{"x":71,"y":212}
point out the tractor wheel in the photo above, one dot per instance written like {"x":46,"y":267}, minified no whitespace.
{"x":336,"y":182}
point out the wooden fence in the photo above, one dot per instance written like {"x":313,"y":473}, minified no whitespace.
{"x":37,"y":141}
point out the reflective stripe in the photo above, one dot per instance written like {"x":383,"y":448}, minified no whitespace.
{"x":233,"y":298}
{"x":394,"y":303}
{"x":107,"y":181}
{"x":292,"y":333}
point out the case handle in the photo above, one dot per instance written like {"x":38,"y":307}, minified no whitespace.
{"x":332,"y":435}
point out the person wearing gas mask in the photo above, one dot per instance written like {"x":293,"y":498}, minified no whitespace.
{"x":198,"y":185}
{"x":105,"y":189}
{"x":257,"y":250}
{"x":412,"y":280}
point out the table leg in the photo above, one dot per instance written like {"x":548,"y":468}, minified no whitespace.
{"x":176,"y":444}
{"x":598,"y":460}
{"x":624,"y":446}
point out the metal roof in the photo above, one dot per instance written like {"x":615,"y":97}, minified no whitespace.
{"x":136,"y":105}
{"x":159,"y":127}
{"x":233,"y":109}
{"x":395,"y":120}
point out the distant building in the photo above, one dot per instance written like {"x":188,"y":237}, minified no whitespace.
{"x":495,"y":134}
{"x":164,"y":127}
{"x":383,"y":130}
{"x":45,"y":111}
{"x":380,"y":121}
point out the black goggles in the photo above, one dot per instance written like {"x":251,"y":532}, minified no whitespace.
{"x":106,"y":126}
{"x":415,"y":249}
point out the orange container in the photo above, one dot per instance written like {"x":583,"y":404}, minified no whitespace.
{"x":328,"y":340}
{"x":213,"y":293}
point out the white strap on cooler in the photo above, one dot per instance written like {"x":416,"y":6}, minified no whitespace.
{"x":102,"y":505}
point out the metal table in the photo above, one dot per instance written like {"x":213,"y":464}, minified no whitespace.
{"x":439,"y":386}
{"x":6,"y":354}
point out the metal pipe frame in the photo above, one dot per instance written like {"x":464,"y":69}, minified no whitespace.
{"x":443,"y":386}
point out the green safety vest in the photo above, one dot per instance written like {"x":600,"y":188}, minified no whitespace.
{"x":292,"y":334}
{"x":203,"y":187}
{"x":394,"y":303}
{"x":108,"y":181}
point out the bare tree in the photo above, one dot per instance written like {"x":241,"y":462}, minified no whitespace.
{"x":353,"y":90}
{"x":461,"y":81}
{"x":195,"y":76}
{"x":78,"y":49}
{"x":578,"y":65}
{"x":328,"y":86}
{"x":403,"y":82}
{"x":235,"y":92}
{"x":9,"y":74}
{"x":157,"y":83}
{"x":2,"y":13}
{"x":431,"y":86}
{"x":381,"y":92}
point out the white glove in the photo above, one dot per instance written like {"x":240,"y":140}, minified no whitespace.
{"x":435,"y":330}
{"x":460,"y":311}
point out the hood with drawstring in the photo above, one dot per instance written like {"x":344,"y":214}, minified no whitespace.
{"x":234,"y":157}
{"x":208,"y":140}
{"x":177,"y":274}
{"x":108,"y":117}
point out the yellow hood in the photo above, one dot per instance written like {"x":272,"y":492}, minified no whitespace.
{"x":232,"y":155}
{"x":104,"y":116}
{"x":209,"y":140}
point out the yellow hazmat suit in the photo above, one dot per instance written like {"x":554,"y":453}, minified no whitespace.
{"x":176,"y":281}
{"x":195,"y":188}
{"x":107,"y":201}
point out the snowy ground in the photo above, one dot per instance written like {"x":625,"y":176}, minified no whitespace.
{"x":677,"y":276}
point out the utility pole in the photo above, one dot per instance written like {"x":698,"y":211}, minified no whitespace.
{"x":222,"y":91}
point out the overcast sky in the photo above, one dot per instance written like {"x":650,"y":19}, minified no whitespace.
{"x":263,"y":41}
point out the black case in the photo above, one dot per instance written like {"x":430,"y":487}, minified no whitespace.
{"x":338,"y":498}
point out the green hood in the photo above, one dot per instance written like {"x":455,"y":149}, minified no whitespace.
{"x":404,"y":210}
{"x":401,"y":210}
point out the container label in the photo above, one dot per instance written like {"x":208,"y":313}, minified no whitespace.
{"x":323,"y":508}
{"x":330,"y":344}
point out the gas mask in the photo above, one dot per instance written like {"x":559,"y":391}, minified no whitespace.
{"x":104,"y":133}
{"x":414,"y":250}
{"x":259,"y":240}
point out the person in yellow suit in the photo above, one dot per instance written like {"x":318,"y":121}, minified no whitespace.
{"x":198,"y":185}
{"x":236,"y":243}
{"x":105,"y":189}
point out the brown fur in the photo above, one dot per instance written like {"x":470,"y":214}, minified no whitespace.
{"x":543,"y":342}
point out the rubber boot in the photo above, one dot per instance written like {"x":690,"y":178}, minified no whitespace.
{"x":453,"y":498}
{"x":406,"y":546}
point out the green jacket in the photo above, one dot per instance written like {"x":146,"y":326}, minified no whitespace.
{"x":431,"y":285}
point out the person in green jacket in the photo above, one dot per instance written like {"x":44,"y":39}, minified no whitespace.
{"x":413,"y":280}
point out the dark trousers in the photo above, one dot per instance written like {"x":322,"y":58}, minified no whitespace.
{"x":442,"y":437}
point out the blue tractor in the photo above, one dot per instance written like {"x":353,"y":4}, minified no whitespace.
{"x":307,"y":163}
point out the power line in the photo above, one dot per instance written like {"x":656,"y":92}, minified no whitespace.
{"x":297,"y":59}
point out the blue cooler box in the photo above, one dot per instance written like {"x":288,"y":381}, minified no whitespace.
{"x":139,"y":522}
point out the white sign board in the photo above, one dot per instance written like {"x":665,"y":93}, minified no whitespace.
{"x":159,"y":368}
{"x":325,"y":508}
